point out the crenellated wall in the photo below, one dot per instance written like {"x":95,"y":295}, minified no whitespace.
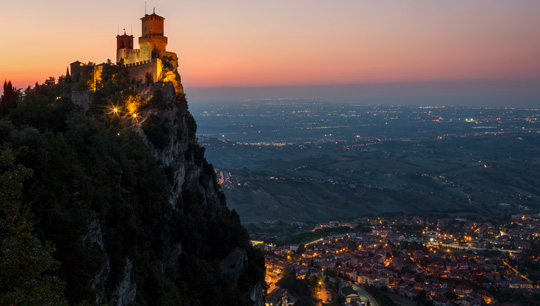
{"x":138,"y":71}
{"x":131,"y":56}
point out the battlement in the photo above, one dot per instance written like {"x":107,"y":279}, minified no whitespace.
{"x":141,"y":63}
{"x":138,"y":71}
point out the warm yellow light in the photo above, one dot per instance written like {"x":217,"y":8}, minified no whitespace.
{"x":114,"y":110}
{"x":132,"y":104}
{"x":134,"y":115}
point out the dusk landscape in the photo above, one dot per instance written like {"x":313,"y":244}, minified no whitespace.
{"x":272,"y":153}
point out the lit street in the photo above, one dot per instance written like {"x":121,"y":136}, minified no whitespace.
{"x":323,"y":295}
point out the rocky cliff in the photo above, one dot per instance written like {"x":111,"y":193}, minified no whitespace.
{"x":204,"y":228}
{"x":189,"y":175}
{"x":123,"y":191}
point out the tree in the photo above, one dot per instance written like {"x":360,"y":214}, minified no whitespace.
{"x":9,"y":98}
{"x":298,"y":287}
{"x":25,"y":263}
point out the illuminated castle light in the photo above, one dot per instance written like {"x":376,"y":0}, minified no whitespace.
{"x":151,"y":59}
{"x":152,"y":42}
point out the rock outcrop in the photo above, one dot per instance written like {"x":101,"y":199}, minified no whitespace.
{"x":192,"y":189}
{"x":123,"y":191}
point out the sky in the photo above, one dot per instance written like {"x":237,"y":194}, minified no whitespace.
{"x":315,"y":46}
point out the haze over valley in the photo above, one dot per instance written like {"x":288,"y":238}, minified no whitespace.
{"x":305,"y":160}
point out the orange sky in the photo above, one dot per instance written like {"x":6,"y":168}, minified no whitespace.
{"x":278,"y":42}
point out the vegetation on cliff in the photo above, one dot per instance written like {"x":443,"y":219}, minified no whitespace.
{"x":24,"y":259}
{"x":101,"y":199}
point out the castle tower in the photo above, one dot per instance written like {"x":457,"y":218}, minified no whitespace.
{"x":152,"y":41}
{"x":150,"y":57}
{"x":123,"y":42}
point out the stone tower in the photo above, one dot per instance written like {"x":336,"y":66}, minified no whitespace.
{"x":152,"y":42}
{"x":123,"y":42}
{"x":150,"y":57}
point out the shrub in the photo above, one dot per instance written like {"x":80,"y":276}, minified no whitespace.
{"x":157,"y":131}
{"x":157,"y":101}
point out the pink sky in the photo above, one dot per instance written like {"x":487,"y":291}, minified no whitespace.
{"x":278,"y":42}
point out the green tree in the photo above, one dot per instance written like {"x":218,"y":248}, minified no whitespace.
{"x":25,"y":263}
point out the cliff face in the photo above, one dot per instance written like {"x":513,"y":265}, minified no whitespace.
{"x":196,"y":226}
{"x":175,"y":152}
{"x":123,"y":191}
{"x":189,"y":174}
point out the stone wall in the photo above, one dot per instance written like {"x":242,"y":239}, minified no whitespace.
{"x":138,"y":71}
{"x":81,"y":98}
{"x":131,"y":56}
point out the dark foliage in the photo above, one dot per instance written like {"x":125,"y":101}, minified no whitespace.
{"x":9,"y":98}
{"x":379,"y":295}
{"x":299,"y":288}
{"x":157,"y":131}
{"x":91,"y":169}
{"x":25,"y":263}
{"x":192,"y":125}
{"x":157,"y":101}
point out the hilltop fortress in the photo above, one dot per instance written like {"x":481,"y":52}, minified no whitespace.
{"x":150,"y":63}
{"x":152,"y":42}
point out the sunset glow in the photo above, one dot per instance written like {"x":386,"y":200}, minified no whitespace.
{"x":276,"y":43}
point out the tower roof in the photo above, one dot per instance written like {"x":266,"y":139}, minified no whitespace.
{"x":124,"y":35}
{"x":152,"y":15}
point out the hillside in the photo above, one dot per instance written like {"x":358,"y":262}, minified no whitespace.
{"x":121,"y":196}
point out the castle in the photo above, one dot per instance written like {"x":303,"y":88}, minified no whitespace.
{"x":152,"y":42}
{"x":151,"y":60}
